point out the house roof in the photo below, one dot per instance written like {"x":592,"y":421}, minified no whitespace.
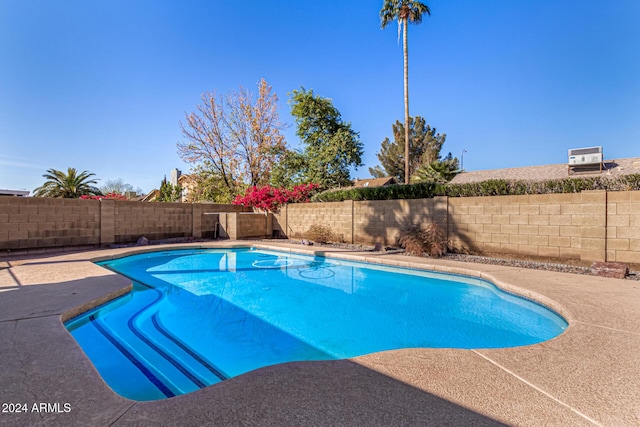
{"x":151,"y":195}
{"x":374,"y":182}
{"x":610,"y":168}
{"x":186,"y":178}
{"x":19,"y":193}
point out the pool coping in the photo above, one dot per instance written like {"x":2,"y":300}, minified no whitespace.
{"x":589,"y":375}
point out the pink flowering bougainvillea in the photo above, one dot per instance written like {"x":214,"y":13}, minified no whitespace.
{"x":108,"y":196}
{"x":269,"y":198}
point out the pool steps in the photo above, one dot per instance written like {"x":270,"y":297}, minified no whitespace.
{"x":169,"y":365}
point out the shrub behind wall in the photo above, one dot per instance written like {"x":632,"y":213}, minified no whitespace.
{"x":423,"y":190}
{"x":493,"y":187}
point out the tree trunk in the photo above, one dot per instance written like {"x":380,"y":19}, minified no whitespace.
{"x":406,"y":101}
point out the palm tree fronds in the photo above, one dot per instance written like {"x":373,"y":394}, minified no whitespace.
{"x":71,"y":185}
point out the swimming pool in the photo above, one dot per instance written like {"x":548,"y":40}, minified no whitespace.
{"x":198,"y":317}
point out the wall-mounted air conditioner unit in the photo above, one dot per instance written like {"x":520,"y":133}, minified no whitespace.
{"x":585,"y":156}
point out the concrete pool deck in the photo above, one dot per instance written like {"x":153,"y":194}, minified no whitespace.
{"x":589,"y":375}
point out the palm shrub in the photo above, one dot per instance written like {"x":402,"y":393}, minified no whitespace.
{"x":420,"y":239}
{"x":440,"y":171}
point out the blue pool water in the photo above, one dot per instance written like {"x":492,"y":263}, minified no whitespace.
{"x":198,"y":317}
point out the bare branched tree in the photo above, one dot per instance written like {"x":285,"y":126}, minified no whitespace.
{"x":236,"y":137}
{"x":118,"y":186}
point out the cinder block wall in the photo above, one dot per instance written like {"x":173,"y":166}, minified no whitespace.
{"x":584,"y":227}
{"x":205,"y":218}
{"x":363,"y":222}
{"x":35,"y":222}
{"x":380,"y":220}
{"x":562,"y":226}
{"x":254,"y":225}
{"x":623,"y":226}
{"x":294,"y":220}
{"x":153,"y":220}
{"x":30,"y":222}
{"x":245,"y":225}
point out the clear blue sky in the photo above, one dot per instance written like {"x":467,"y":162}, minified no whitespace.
{"x":101,"y":85}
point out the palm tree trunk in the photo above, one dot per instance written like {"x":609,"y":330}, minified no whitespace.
{"x":406,"y":102}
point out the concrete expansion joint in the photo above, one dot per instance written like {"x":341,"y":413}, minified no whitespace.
{"x":490,"y":269}
{"x":124,"y":412}
{"x":14,"y":278}
{"x":31,"y":317}
{"x":23,"y":372}
{"x":609,"y":328}
{"x":538,"y":389}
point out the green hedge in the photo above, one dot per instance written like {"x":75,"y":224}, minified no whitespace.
{"x":423,"y":190}
{"x":493,"y":187}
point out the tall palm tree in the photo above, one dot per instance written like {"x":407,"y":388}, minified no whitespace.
{"x":405,"y":12}
{"x":71,"y":185}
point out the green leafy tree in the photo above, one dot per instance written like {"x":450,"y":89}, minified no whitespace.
{"x":405,"y":12}
{"x":290,"y":171}
{"x":70,"y":185}
{"x":207,"y":186}
{"x":425,"y":145}
{"x":169,"y":192}
{"x":331,"y":147}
